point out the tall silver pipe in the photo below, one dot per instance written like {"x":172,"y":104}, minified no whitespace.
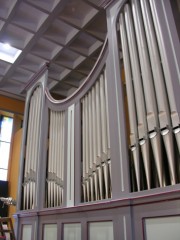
{"x":55,"y":158}
{"x":63,"y":149}
{"x":84,"y":149}
{"x":94,"y":129}
{"x":99,"y":143}
{"x":107,"y":114}
{"x":139,"y":95}
{"x":61,"y":156}
{"x":87,"y":148}
{"x":108,"y":134}
{"x":90,"y":145}
{"x":51,"y":159}
{"x":131,"y":102}
{"x":104,"y":134}
{"x":33,"y":146}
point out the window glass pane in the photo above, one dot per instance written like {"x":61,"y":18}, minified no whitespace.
{"x":4,"y":154}
{"x":165,"y":228}
{"x":6,"y":129}
{"x":50,"y":232}
{"x":72,"y":231}
{"x":26,"y":232}
{"x":3,"y":174}
{"x":101,"y":231}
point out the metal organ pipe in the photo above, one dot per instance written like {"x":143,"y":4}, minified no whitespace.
{"x":134,"y":146}
{"x":99,"y":142}
{"x":49,"y":162}
{"x":108,"y":133}
{"x":90,"y":145}
{"x":87,"y":148}
{"x":104,"y":133}
{"x":84,"y":152}
{"x":139,"y":94}
{"x":58,"y":160}
{"x":94,"y":129}
{"x":32,"y":153}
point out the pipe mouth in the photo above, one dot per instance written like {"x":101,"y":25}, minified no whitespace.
{"x":176,"y":130}
{"x":165,"y":131}
{"x":133,"y":148}
{"x":152,"y":134}
{"x":141,"y":142}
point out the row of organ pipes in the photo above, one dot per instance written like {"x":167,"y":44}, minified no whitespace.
{"x":55,"y":162}
{"x":96,"y":162}
{"x":153,"y":117}
{"x":32,"y":147}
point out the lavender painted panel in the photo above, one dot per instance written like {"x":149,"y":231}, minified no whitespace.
{"x":72,"y":231}
{"x":50,"y":232}
{"x":26,"y":232}
{"x":101,"y":231}
{"x":163,"y":228}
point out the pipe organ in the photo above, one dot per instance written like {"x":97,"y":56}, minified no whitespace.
{"x":96,"y":143}
{"x":154,"y":120}
{"x":82,"y":175}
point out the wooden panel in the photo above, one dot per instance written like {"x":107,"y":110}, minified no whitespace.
{"x":11,"y":105}
{"x":14,"y":169}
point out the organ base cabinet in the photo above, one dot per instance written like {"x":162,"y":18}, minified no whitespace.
{"x":151,"y":217}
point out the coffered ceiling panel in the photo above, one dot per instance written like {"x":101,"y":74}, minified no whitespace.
{"x":16,"y":36}
{"x":47,"y":5}
{"x":85,"y":44}
{"x":57,"y":72}
{"x":32,"y":63}
{"x":4,"y":66}
{"x":12,"y":87}
{"x":74,"y":79}
{"x":1,"y":24}
{"x":6,"y":8}
{"x":29,"y":17}
{"x":78,"y":13}
{"x":60,"y":32}
{"x":69,"y":59}
{"x":45,"y":49}
{"x":21,"y":75}
{"x":86,"y":67}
